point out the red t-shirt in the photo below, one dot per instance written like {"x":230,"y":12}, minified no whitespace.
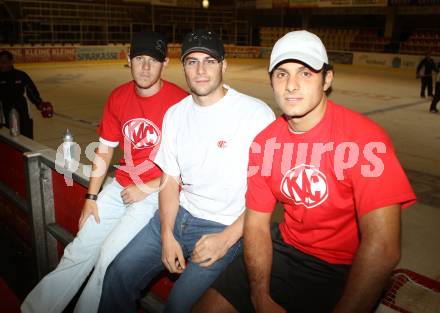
{"x":135,"y":123}
{"x":326,"y":178}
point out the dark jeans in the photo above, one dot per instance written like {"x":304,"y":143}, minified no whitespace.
{"x":299,"y":282}
{"x":26,"y":123}
{"x":140,"y":262}
{"x":26,"y":127}
{"x":436,"y":97}
{"x":426,"y":83}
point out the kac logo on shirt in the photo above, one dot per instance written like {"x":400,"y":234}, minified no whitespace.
{"x":306,"y":185}
{"x":142,"y":133}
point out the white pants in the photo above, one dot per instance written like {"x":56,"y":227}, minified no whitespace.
{"x":95,"y":245}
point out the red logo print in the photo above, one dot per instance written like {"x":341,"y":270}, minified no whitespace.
{"x":222,"y":144}
{"x":305,"y":185}
{"x":141,"y":132}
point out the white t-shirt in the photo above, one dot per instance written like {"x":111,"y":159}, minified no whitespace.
{"x":208,"y":147}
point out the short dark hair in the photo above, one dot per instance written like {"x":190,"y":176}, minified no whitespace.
{"x":7,"y":54}
{"x":325,"y":68}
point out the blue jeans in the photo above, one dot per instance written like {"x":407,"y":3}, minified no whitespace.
{"x":140,"y":261}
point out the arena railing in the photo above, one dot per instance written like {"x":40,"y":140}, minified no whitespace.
{"x":41,"y":206}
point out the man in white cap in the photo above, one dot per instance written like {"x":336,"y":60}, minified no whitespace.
{"x":342,"y":188}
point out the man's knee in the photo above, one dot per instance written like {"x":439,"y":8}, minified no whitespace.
{"x":213,"y":302}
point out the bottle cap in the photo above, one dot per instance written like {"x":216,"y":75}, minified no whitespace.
{"x":68,"y":135}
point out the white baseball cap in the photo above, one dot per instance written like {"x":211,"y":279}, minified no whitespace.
{"x":299,"y":45}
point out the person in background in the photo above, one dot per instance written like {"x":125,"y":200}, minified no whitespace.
{"x":14,"y":86}
{"x":424,"y":72}
{"x":436,"y":99}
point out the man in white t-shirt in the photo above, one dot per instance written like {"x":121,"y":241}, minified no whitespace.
{"x":204,"y":155}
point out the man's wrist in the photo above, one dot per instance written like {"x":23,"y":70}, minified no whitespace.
{"x":258,"y":297}
{"x":167,"y":234}
{"x":91,"y":196}
{"x":231,"y":235}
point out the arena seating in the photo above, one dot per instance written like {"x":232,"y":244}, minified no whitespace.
{"x":422,"y":41}
{"x":334,"y":38}
{"x":369,"y":40}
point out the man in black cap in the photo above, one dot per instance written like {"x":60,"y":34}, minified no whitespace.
{"x":204,"y":156}
{"x":132,"y":118}
{"x":14,"y":85}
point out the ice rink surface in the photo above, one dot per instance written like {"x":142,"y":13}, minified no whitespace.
{"x":388,"y":96}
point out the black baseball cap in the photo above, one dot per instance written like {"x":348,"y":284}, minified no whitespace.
{"x":203,"y":41}
{"x":149,"y":43}
{"x":7,"y":54}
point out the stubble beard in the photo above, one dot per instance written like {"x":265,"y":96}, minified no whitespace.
{"x":202,"y":92}
{"x":199,"y":92}
{"x":147,"y":84}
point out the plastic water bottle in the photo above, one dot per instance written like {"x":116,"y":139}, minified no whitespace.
{"x":68,"y":147}
{"x":14,"y":122}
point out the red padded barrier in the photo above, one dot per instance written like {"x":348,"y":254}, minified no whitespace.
{"x":15,"y":219}
{"x":161,"y":286}
{"x":12,"y":169}
{"x":68,"y":202}
{"x":9,"y":302}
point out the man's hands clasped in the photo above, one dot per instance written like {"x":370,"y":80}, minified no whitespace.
{"x":129,"y":195}
{"x":209,"y":249}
